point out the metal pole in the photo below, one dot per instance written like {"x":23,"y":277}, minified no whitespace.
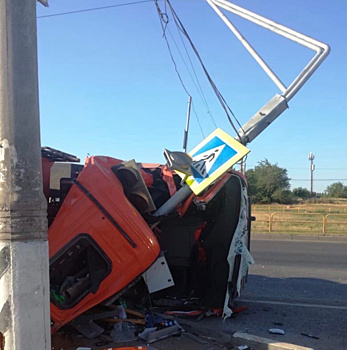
{"x":322,"y":50}
{"x":311,"y":157}
{"x":185,"y":139}
{"x":311,"y":176}
{"x":170,"y":205}
{"x":24,"y":277}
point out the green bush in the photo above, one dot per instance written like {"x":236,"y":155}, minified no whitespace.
{"x":268,"y":183}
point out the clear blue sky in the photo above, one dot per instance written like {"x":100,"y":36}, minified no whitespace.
{"x":108,"y":86}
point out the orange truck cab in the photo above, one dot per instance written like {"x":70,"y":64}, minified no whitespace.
{"x":101,"y":241}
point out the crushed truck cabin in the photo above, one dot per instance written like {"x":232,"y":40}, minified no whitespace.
{"x":102,"y":237}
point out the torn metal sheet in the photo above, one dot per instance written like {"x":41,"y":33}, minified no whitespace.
{"x":238,"y":248}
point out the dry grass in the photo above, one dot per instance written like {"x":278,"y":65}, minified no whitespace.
{"x":300,"y":218}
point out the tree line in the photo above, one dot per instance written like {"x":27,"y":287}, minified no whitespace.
{"x":269,"y":183}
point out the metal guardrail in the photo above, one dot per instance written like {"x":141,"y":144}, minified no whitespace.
{"x":285,"y":208}
{"x":324,"y":221}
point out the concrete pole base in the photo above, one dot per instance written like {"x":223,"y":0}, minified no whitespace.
{"x":24,"y":316}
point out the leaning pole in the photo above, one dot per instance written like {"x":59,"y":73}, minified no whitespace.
{"x":24,"y":277}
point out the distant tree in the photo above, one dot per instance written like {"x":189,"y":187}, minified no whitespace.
{"x":269,"y":183}
{"x":336,"y":190}
{"x":301,"y":192}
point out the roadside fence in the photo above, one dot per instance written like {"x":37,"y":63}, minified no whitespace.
{"x":300,"y":209}
{"x":291,"y":222}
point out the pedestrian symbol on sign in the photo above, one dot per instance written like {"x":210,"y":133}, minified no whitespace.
{"x":213,"y":157}
{"x":203,"y":163}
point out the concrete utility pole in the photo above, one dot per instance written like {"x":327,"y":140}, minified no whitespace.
{"x":311,"y":157}
{"x":24,"y":277}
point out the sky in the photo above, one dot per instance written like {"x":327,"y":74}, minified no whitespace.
{"x":108,"y":85}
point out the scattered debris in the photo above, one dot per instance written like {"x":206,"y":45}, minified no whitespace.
{"x":151,"y":335}
{"x":240,"y":309}
{"x":196,"y":338}
{"x":214,"y":312}
{"x":276,"y":331}
{"x":123,"y":332}
{"x":120,"y":312}
{"x":118,"y":320}
{"x":144,"y":334}
{"x":244,"y":347}
{"x":102,"y":342}
{"x":85,"y":323}
{"x":140,"y":347}
{"x":192,"y":313}
{"x":310,"y":335}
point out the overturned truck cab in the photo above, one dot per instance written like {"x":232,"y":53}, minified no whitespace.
{"x":102,"y":236}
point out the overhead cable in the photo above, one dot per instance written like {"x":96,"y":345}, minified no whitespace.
{"x":94,"y":9}
{"x":318,"y":179}
{"x":164,"y":20}
{"x":196,"y":84}
{"x":198,"y":121}
{"x":221,"y":99}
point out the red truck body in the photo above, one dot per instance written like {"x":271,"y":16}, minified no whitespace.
{"x":99,"y":243}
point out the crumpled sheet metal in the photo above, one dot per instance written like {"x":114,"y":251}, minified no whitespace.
{"x":239,"y":247}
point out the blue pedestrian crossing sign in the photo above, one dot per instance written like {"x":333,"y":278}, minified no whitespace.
{"x":212,"y":158}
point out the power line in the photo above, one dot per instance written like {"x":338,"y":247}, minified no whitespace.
{"x":173,"y":39}
{"x":324,"y":168}
{"x":164,"y":20}
{"x":219,"y":96}
{"x":120,"y":5}
{"x":344,"y":168}
{"x":197,"y":119}
{"x":197,"y":85}
{"x":318,"y":179}
{"x":199,"y":88}
{"x":94,"y":9}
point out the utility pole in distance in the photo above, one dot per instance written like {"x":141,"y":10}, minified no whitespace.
{"x":311,"y":157}
{"x":24,"y":264}
{"x":186,"y":130}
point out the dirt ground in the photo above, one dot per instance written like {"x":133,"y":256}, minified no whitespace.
{"x":207,"y":340}
{"x":62,"y":341}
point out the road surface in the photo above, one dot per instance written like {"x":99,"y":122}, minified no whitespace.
{"x":298,"y":286}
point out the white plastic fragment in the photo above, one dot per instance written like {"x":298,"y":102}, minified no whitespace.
{"x":242,"y":347}
{"x":276,"y":331}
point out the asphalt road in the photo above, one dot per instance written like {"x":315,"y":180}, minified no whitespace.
{"x":298,"y":286}
{"x":298,"y":271}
